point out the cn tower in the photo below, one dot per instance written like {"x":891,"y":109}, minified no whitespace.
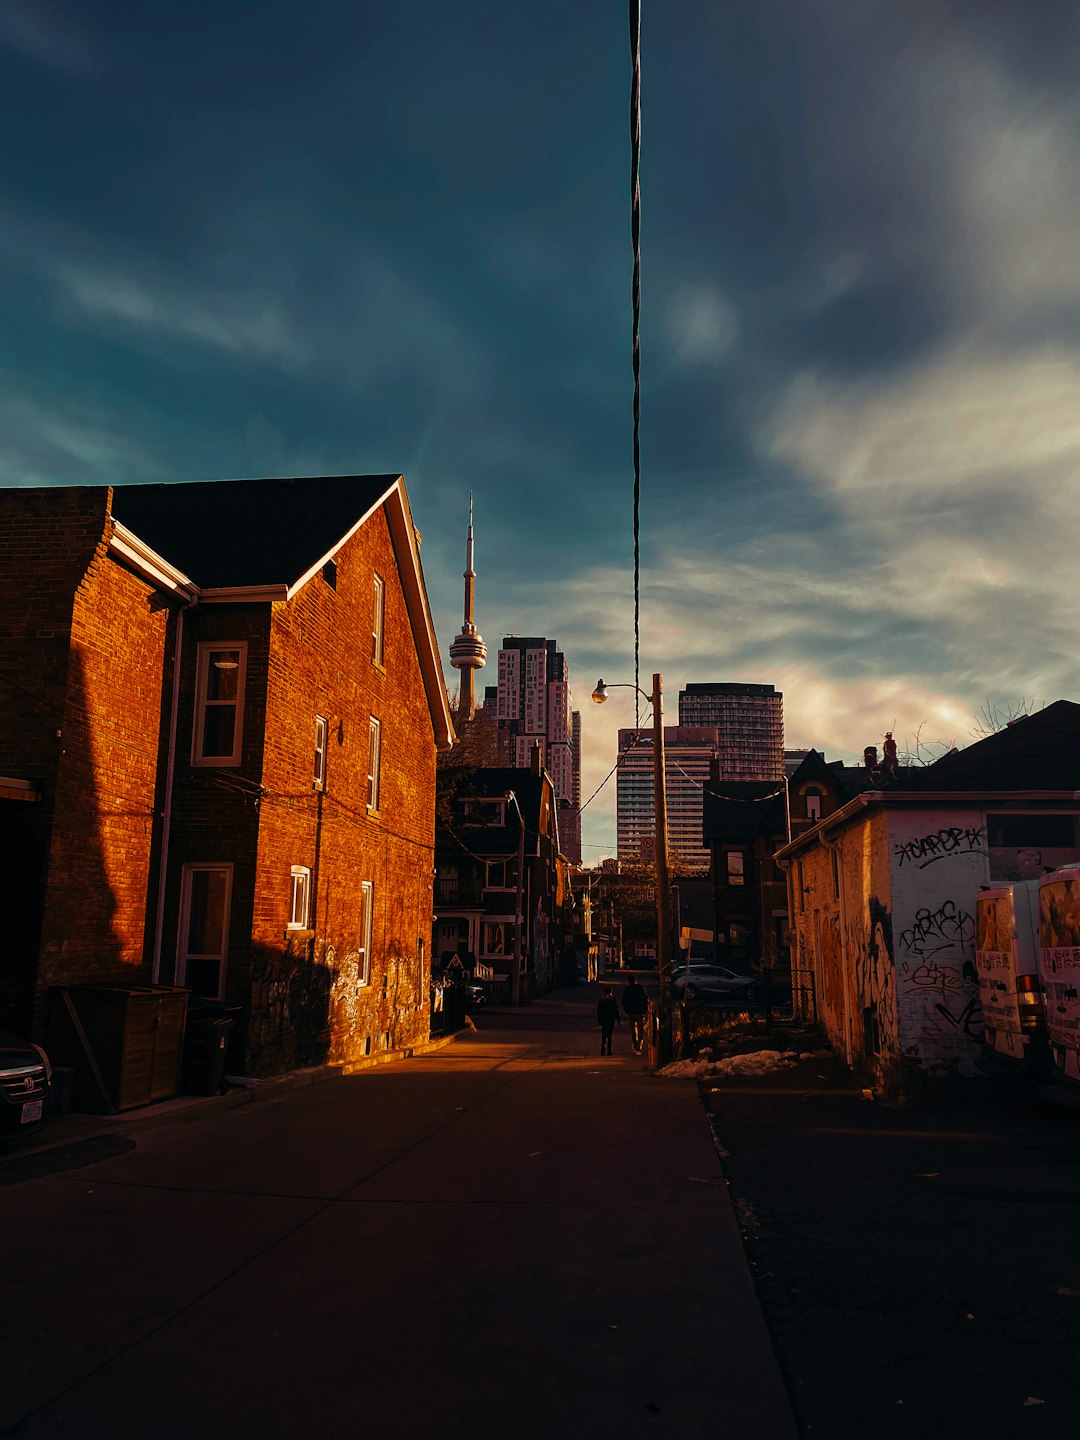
{"x":468,"y":651}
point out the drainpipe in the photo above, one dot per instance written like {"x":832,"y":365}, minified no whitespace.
{"x":834,"y":846}
{"x":170,"y":771}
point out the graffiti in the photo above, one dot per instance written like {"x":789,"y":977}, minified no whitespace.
{"x":969,"y":1021}
{"x":933,"y":976}
{"x":949,"y":840}
{"x":936,"y":930}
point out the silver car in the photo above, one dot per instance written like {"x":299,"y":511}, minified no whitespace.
{"x":699,"y":984}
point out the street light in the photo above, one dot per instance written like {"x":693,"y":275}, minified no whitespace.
{"x":515,"y":978}
{"x":663,"y":879}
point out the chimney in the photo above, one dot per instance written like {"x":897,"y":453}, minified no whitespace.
{"x":537,"y":766}
{"x":869,"y":756}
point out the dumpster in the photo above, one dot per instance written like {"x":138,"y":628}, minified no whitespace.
{"x":205,"y":1047}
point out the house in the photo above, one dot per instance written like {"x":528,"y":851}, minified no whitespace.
{"x":223,"y":703}
{"x":882,"y":890}
{"x":745,"y":822}
{"x":502,"y":887}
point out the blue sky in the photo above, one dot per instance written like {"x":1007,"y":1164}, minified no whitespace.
{"x":265,"y":239}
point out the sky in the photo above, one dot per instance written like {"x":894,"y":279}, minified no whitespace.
{"x":259,"y":238}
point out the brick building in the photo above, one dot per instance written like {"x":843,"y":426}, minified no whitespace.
{"x":217,"y":769}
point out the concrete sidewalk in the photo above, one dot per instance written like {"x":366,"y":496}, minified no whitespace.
{"x":509,"y":1237}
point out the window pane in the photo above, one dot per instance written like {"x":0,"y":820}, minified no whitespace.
{"x":206,"y":916}
{"x":219,"y":729}
{"x":223,"y":675}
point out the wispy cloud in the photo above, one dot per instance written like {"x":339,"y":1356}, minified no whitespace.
{"x":42,"y":31}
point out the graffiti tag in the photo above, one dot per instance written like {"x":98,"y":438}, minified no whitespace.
{"x":949,"y":840}
{"x":970,"y":1019}
{"x":934,"y":930}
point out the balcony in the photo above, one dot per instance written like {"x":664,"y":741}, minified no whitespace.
{"x":457,"y":891}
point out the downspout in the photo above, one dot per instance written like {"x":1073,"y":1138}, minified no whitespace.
{"x":170,"y":771}
{"x":834,"y":847}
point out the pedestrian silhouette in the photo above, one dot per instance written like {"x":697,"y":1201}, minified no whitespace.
{"x":607,"y":1017}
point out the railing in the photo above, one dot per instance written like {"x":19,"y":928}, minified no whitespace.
{"x":457,"y":892}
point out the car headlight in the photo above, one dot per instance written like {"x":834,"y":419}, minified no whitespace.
{"x":45,"y":1062}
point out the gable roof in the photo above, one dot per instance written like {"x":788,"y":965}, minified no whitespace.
{"x":1036,"y":752}
{"x":261,"y":540}
{"x":249,"y":533}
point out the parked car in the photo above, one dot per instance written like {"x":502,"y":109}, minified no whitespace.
{"x":475,"y":996}
{"x":26,"y":1089}
{"x":700,"y":984}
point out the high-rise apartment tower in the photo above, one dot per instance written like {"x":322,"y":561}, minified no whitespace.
{"x":688,"y":752}
{"x":533,"y":707}
{"x":749,"y":721}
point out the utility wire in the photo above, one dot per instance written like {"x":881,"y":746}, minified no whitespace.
{"x":635,"y":237}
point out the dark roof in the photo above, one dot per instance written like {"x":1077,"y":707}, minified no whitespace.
{"x":224,"y":533}
{"x":740,"y":809}
{"x":492,"y":782}
{"x":1038,"y":752}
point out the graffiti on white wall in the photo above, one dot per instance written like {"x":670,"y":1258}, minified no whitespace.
{"x":937,"y":872}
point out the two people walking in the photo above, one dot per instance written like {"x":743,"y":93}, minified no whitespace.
{"x":635,"y":1004}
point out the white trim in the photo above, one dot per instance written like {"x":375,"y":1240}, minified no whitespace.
{"x":125,"y":544}
{"x":322,"y":746}
{"x":222,"y":956}
{"x":204,"y":650}
{"x":367,"y":902}
{"x":298,"y":872}
{"x":374,"y":779}
{"x":378,"y":622}
{"x":244,"y":594}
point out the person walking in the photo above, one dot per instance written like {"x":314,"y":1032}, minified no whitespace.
{"x":607,"y":1017}
{"x":635,"y":1004}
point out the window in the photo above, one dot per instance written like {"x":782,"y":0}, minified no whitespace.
{"x":498,"y":938}
{"x":219,"y":704}
{"x":378,"y":620}
{"x":482,"y":811}
{"x":363,"y":960}
{"x":322,"y":733}
{"x":374,"y":758}
{"x":204,"y":929}
{"x":813,"y":804}
{"x":300,"y":899}
{"x":1054,"y":832}
{"x":736,"y":868}
{"x":499,"y":875}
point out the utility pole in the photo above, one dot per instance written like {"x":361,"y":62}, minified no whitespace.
{"x":663,"y":878}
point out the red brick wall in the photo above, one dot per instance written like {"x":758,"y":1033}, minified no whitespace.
{"x":306,"y":1003}
{"x":96,"y":919}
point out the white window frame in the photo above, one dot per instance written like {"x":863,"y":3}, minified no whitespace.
{"x":374,"y":764}
{"x":183,"y":955}
{"x":206,"y":651}
{"x":487,"y":809}
{"x":300,"y":891}
{"x":506,"y":923}
{"x":378,"y":622}
{"x":363,"y":957}
{"x":322,"y":742}
{"x":813,"y":797}
{"x":506,"y":883}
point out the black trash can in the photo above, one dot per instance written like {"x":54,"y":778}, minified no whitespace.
{"x":205,"y":1046}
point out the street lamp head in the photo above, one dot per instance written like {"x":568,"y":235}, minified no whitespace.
{"x":600,"y":693}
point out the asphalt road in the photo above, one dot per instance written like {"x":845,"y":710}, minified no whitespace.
{"x":511,"y":1238}
{"x":919,"y":1266}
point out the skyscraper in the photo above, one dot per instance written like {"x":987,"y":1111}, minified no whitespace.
{"x":533,"y":707}
{"x":749,"y":721}
{"x":688,"y":751}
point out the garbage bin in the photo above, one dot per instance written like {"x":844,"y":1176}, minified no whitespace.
{"x":205,"y":1044}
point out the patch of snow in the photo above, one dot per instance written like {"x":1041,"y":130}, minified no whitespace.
{"x":758,"y":1062}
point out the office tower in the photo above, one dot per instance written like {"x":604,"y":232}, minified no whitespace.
{"x":688,"y":751}
{"x":533,"y":707}
{"x":749,"y":720}
{"x":468,"y":651}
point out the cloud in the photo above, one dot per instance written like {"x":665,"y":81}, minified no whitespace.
{"x":702,"y":326}
{"x":40,"y":31}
